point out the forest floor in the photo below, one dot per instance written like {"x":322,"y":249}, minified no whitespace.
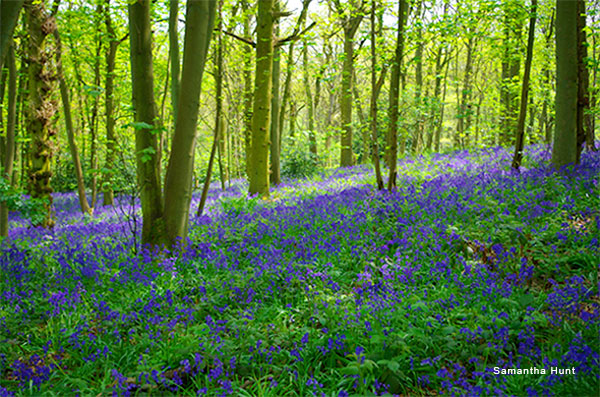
{"x":331,"y":288}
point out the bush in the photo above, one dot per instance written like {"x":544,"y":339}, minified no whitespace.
{"x":299,"y":164}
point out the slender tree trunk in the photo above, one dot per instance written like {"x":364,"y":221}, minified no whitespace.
{"x":64,"y":93}
{"x":218,"y":73}
{"x":94,"y":120}
{"x":440,"y":125}
{"x":394,"y":95}
{"x":111,"y":139}
{"x":247,"y":89}
{"x":275,"y":152}
{"x":464,"y":115}
{"x":174,"y":54}
{"x":312,"y":139}
{"x":375,"y":90}
{"x":350,"y":28}
{"x":261,"y":114}
{"x":200,"y":20}
{"x":520,"y":133}
{"x":286,"y":92}
{"x":564,"y":150}
{"x":146,"y":142}
{"x":418,"y":133}
{"x":9,"y":145}
{"x":41,"y":108}
{"x":362,"y":122}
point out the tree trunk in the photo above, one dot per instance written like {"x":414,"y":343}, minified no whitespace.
{"x":346,"y":155}
{"x":146,"y":142}
{"x":174,"y":54}
{"x":312,"y":140}
{"x":261,"y":114}
{"x":464,"y":114}
{"x":375,"y":90}
{"x":585,"y":133}
{"x":564,"y":150}
{"x":200,"y":18}
{"x":94,"y":120}
{"x":41,"y":108}
{"x":275,"y":152}
{"x":518,"y":156}
{"x":394,"y":96}
{"x":218,"y":73}
{"x":247,"y":89}
{"x":418,"y":133}
{"x":111,"y":139}
{"x":286,"y":92}
{"x":9,"y":16}
{"x":64,"y":93}
{"x":9,"y":145}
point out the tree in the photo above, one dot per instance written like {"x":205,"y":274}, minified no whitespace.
{"x":376,"y":85}
{"x":145,"y":115}
{"x":9,"y":15}
{"x":64,"y":94}
{"x":261,"y":110}
{"x":394,"y":95}
{"x":351,"y":16}
{"x":41,"y":107}
{"x":9,"y":144}
{"x":200,"y":19}
{"x":564,"y":150}
{"x":520,"y":133}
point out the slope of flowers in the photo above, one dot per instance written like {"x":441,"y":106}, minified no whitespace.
{"x":331,"y":288}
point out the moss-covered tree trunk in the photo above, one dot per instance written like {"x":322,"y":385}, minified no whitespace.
{"x":394,"y":96}
{"x":146,"y":142}
{"x":200,"y":20}
{"x":346,"y":155}
{"x":9,"y":143}
{"x":564,"y":150}
{"x":41,"y":107}
{"x":261,"y":110}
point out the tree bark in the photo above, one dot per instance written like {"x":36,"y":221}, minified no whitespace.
{"x":350,"y":28}
{"x":145,"y":111}
{"x":564,"y":150}
{"x":312,"y":140}
{"x":9,"y":16}
{"x":585,"y":132}
{"x":174,"y":55}
{"x":247,"y":89}
{"x":275,"y":152}
{"x":261,"y":111}
{"x":41,"y":108}
{"x":9,"y":145}
{"x":200,"y":19}
{"x":376,"y":85}
{"x":394,"y":96}
{"x":111,"y":139}
{"x":520,"y":133}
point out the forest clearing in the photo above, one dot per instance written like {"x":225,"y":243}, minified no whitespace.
{"x":301,"y":197}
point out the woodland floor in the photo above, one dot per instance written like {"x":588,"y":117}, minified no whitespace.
{"x":331,"y":288}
